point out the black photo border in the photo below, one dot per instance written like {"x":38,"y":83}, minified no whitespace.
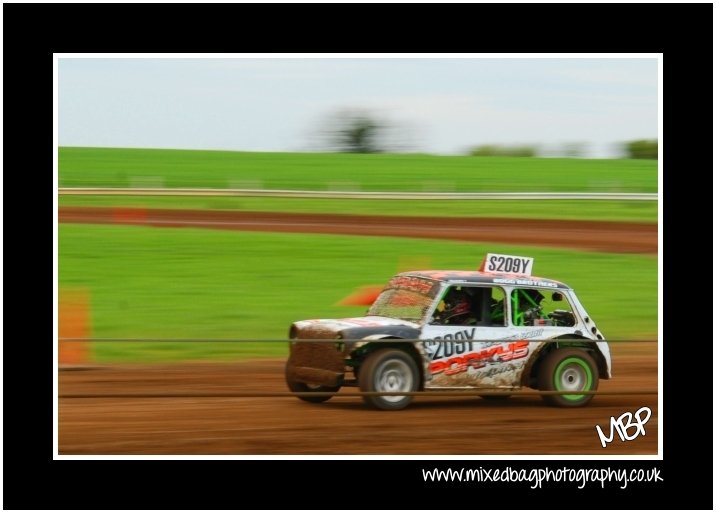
{"x":33,"y":33}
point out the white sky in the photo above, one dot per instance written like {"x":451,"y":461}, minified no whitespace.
{"x":440,"y":105}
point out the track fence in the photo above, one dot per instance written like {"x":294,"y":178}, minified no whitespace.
{"x":455,"y":392}
{"x":284,"y":193}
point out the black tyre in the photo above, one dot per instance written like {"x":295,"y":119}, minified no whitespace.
{"x":571,"y":370}
{"x":389,"y":370}
{"x":297,"y":386}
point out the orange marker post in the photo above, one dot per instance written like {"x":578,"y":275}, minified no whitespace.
{"x":74,"y":322}
{"x":364,"y":296}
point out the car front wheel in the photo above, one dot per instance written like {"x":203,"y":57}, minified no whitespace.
{"x":388,"y":370}
{"x":568,"y":370}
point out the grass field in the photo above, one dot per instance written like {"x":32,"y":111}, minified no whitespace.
{"x":216,"y":169}
{"x":117,"y":167}
{"x":191,"y":283}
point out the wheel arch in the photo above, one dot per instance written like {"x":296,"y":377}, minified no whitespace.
{"x":529,"y":375}
{"x":378,"y":342}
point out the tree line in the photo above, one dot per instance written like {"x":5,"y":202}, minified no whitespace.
{"x":357,"y":131}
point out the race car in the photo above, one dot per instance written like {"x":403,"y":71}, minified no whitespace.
{"x":492,"y":331}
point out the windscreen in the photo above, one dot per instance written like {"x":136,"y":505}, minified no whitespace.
{"x":405,"y":297}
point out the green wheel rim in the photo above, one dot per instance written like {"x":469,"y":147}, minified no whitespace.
{"x":573,"y":374}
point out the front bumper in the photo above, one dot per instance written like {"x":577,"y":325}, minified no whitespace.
{"x":316,"y":363}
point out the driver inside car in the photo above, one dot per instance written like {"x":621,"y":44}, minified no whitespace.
{"x":455,"y":309}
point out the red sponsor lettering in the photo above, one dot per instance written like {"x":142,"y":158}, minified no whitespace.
{"x":477,"y":360}
{"x":412,"y":283}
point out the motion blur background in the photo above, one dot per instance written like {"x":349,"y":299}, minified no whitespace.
{"x":341,"y":124}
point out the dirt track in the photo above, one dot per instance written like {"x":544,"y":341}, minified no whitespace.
{"x":341,"y":426}
{"x":591,"y":235}
{"x":344,"y":425}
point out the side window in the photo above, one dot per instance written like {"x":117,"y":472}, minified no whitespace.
{"x":526,"y":307}
{"x":532,"y":307}
{"x":456,"y":308}
{"x":471,"y":306}
{"x":497,"y":306}
{"x":558,"y":310}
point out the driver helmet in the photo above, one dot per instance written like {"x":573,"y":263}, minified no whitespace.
{"x":457,"y":303}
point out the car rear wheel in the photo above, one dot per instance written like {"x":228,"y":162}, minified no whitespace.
{"x":568,"y":370}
